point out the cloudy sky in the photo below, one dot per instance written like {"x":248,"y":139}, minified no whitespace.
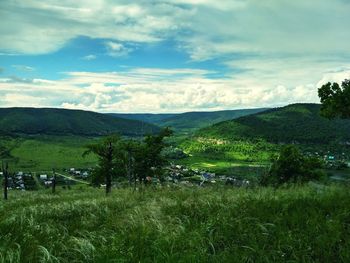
{"x":170,"y":55}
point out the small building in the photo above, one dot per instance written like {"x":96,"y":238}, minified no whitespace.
{"x":43,"y":177}
{"x":331,"y":158}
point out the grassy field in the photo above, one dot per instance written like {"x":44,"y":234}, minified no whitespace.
{"x":42,"y":153}
{"x":236,"y":168}
{"x":239,"y":158}
{"x":177,"y":225}
{"x":47,"y":152}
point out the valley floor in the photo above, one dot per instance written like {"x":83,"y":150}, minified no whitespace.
{"x":304,"y":224}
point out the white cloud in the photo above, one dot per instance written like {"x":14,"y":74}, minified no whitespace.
{"x":37,"y":27}
{"x":15,"y":99}
{"x":204,"y":28}
{"x":269,"y":27}
{"x":116,"y":49}
{"x":23,"y":68}
{"x":90,"y":57}
{"x":159,"y":91}
{"x":276,"y":52}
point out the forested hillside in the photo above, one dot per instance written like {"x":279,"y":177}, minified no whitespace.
{"x":65,"y":122}
{"x":189,"y":121}
{"x":293,"y":123}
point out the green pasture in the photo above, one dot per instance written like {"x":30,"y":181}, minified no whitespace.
{"x":46,"y":152}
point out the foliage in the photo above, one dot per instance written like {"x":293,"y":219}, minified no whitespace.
{"x":67,"y":122}
{"x":335,"y":99}
{"x":187,"y":225}
{"x":4,"y":152}
{"x":189,"y":121}
{"x":298,"y":123}
{"x":173,"y":153}
{"x":292,"y":166}
{"x":149,"y":160}
{"x":153,"y":118}
{"x":240,"y":150}
{"x":109,"y":154}
{"x":127,"y":157}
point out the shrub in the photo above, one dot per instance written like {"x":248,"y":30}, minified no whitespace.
{"x":291,"y":166}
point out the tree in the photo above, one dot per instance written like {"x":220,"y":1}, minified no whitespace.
{"x":128,"y":157}
{"x":144,"y":158}
{"x":5,"y":180}
{"x":131,"y":149}
{"x":108,"y":153}
{"x":335,"y":100}
{"x":150,"y":159}
{"x":292,"y":167}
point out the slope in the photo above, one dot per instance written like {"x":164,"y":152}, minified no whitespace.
{"x":189,"y":121}
{"x":153,"y":118}
{"x":67,"y":122}
{"x":294,"y":123}
{"x":195,"y":120}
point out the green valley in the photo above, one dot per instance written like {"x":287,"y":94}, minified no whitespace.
{"x":190,"y":121}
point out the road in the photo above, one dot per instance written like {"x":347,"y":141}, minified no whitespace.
{"x":72,"y":178}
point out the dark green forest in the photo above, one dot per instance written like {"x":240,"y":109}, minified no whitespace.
{"x":297,"y":123}
{"x":68,"y":122}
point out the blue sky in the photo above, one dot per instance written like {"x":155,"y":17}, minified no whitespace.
{"x":170,"y":55}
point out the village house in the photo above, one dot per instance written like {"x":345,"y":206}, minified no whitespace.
{"x":43,"y":177}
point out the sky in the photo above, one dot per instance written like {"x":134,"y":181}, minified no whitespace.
{"x":164,"y":56}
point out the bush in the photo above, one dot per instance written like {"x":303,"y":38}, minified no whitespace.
{"x":292,"y":167}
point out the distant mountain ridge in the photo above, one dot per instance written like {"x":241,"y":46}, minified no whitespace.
{"x":53,"y":121}
{"x":190,"y":120}
{"x":154,"y":118}
{"x":293,"y":123}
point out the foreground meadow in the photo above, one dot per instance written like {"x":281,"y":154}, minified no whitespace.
{"x":304,"y":224}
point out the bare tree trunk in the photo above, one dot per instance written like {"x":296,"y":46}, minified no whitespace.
{"x":128,"y":167}
{"x":5,"y":174}
{"x":108,"y":183}
{"x":54,"y":181}
{"x":135,"y":180}
{"x":109,"y":171}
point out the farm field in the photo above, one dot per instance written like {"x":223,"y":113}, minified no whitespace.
{"x":177,"y":225}
{"x":46,"y":152}
{"x":242,"y":159}
{"x":43,"y":153}
{"x":226,"y":167}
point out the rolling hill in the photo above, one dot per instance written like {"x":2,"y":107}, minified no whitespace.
{"x":293,"y":123}
{"x":195,"y":120}
{"x":189,"y":121}
{"x":67,"y":122}
{"x":146,"y":117}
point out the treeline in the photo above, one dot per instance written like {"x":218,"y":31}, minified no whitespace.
{"x":131,"y":158}
{"x":242,"y":150}
{"x":50,"y":121}
{"x":298,"y":123}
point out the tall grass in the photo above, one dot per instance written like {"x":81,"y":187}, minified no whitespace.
{"x":177,"y":225}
